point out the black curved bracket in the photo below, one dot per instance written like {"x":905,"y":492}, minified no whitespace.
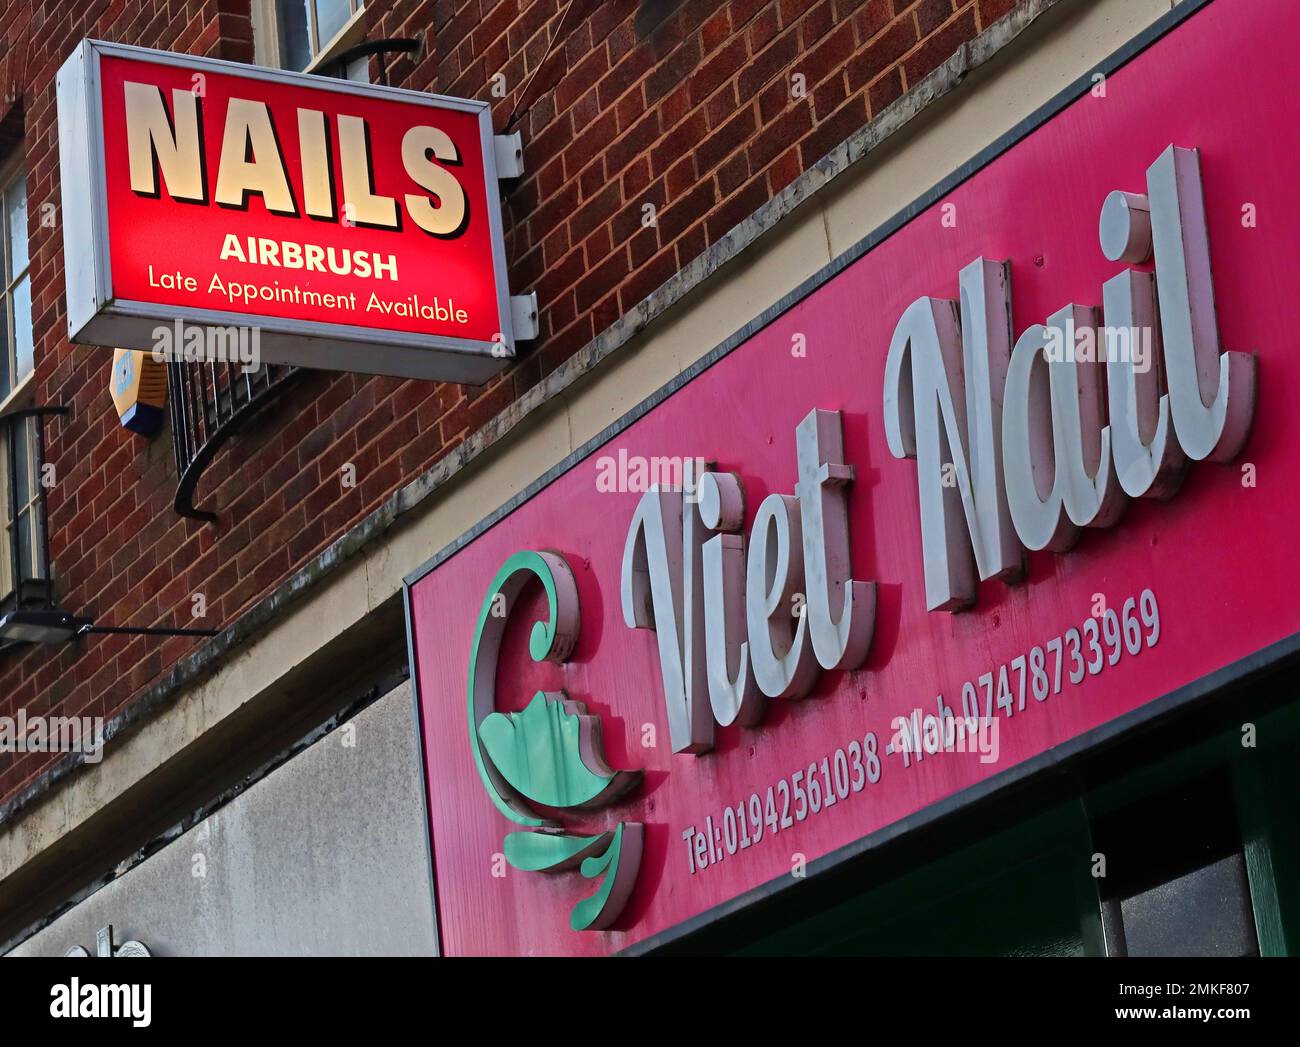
{"x":197,"y":440}
{"x":391,"y":45}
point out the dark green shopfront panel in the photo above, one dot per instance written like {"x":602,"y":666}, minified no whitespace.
{"x":1026,"y":891}
{"x":1021,"y":883}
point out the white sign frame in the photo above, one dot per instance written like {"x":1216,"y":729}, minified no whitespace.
{"x":95,"y":317}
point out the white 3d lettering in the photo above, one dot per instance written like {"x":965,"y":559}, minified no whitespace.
{"x":1042,"y":444}
{"x":1018,"y":446}
{"x":168,"y":149}
{"x":686,"y":575}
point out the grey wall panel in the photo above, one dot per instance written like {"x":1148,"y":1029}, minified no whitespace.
{"x":324,"y":856}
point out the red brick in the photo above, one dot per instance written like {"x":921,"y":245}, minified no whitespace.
{"x":725,"y":140}
{"x":885,"y":90}
{"x":717,"y":70}
{"x":777,"y":136}
{"x":784,"y":170}
{"x":992,"y":10}
{"x":680,"y":214}
{"x":832,"y":131}
{"x":931,"y":14}
{"x":776,"y":60}
{"x":828,"y":57}
{"x":881,"y":53}
{"x":735,"y":210}
{"x":716,"y":30}
{"x":673,"y":71}
{"x":939,"y":47}
{"x":648,"y":278}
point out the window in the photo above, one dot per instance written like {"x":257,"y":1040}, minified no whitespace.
{"x":24,"y":572}
{"x":1176,"y":880}
{"x":15,"y":285}
{"x":309,"y":35}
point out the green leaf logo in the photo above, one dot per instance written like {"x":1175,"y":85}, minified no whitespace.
{"x":550,"y":754}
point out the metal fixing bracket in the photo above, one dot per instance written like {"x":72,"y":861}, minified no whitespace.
{"x":509,"y":151}
{"x":523,"y":314}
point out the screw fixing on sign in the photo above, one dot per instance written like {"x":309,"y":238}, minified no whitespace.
{"x":551,"y":752}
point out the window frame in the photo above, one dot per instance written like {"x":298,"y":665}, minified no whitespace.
{"x":266,"y":37}
{"x":35,"y":574}
{"x":18,"y":398}
{"x":7,"y":584}
{"x":12,"y":170}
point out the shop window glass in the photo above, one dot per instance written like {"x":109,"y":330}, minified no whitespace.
{"x":1176,"y":882}
{"x":22,"y":552}
{"x":309,"y":34}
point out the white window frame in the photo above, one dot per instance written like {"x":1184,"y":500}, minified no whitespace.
{"x":10,"y":171}
{"x":12,"y":516}
{"x":266,"y":40}
{"x":6,"y":522}
{"x":18,"y":397}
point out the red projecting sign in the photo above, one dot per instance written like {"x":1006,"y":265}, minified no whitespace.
{"x":353,"y":227}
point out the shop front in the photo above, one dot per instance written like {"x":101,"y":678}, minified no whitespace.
{"x":946,"y":607}
{"x":871,"y":535}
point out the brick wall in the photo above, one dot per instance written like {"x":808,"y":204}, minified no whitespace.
{"x":703,"y":109}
